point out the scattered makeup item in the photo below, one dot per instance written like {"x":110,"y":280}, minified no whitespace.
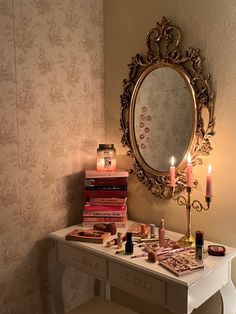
{"x":143,"y":231}
{"x":148,"y":240}
{"x":135,"y":229}
{"x":110,"y":227}
{"x":152,"y":231}
{"x":115,"y":241}
{"x":139,"y":255}
{"x":120,"y":251}
{"x":152,"y":256}
{"x":151,"y":240}
{"x":129,"y":247}
{"x":119,"y":240}
{"x":161,"y":233}
{"x":216,"y":250}
{"x":166,"y":254}
{"x":111,"y":242}
{"x":199,"y":240}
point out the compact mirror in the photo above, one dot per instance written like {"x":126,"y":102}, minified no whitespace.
{"x":167,"y":109}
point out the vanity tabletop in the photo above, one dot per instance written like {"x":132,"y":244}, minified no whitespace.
{"x":211,"y":263}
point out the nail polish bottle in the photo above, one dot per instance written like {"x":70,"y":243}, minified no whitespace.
{"x":199,"y":240}
{"x":161,"y":233}
{"x":129,"y":247}
{"x":152,"y":231}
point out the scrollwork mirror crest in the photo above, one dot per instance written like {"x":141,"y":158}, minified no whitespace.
{"x":181,"y":102}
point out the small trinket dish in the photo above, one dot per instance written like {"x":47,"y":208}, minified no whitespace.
{"x":216,"y":250}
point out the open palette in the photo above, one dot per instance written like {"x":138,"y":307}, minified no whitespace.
{"x":88,"y":236}
{"x":182,"y":263}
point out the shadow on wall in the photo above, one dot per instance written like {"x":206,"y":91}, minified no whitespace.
{"x":74,"y":197}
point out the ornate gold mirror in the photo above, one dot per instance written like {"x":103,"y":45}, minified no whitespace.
{"x":167,"y":109}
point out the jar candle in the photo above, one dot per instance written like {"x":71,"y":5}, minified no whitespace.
{"x":106,"y":157}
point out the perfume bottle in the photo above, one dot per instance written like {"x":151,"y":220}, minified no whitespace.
{"x":129,"y":247}
{"x":161,"y":233}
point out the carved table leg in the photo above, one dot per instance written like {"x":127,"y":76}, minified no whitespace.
{"x":55,"y":276}
{"x":228,"y":293}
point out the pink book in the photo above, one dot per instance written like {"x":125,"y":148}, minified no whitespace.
{"x":104,"y":219}
{"x":113,"y":200}
{"x":105,"y":207}
{"x":106,"y":174}
{"x":117,"y":213}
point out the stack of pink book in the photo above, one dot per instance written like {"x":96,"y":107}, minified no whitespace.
{"x":105,"y":197}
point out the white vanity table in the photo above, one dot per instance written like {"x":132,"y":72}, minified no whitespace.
{"x":150,"y":281}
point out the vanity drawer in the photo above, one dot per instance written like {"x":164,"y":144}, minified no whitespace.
{"x":137,"y":283}
{"x":82,"y":260}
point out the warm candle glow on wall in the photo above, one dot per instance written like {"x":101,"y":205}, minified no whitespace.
{"x":209,"y":182}
{"x":189,"y":173}
{"x":172,"y":171}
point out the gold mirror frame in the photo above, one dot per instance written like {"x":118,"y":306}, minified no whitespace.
{"x":163,"y":50}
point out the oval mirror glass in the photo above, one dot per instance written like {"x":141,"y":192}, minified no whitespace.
{"x":164,"y":117}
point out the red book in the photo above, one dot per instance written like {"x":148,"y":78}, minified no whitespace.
{"x":105,"y":193}
{"x":105,"y":207}
{"x":107,"y":188}
{"x":102,"y":213}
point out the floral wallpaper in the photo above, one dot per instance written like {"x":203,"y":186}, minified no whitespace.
{"x":51,"y":105}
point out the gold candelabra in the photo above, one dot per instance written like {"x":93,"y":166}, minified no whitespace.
{"x":188,"y":239}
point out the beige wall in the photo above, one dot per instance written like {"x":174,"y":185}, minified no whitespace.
{"x":210,"y":26}
{"x":51,"y":105}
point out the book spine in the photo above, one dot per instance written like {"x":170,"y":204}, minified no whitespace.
{"x":105,"y":181}
{"x":91,"y":224}
{"x":103,"y":204}
{"x":105,"y":193}
{"x":107,"y":188}
{"x":92,"y":174}
{"x":104,"y":219}
{"x":107,"y":201}
{"x":104,"y":213}
{"x":105,"y":208}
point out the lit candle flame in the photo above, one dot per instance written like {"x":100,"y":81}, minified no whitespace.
{"x":189,"y":159}
{"x":172,"y":161}
{"x":209,"y":169}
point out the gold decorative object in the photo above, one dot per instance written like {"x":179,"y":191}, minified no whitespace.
{"x":165,"y":55}
{"x":188,"y":239}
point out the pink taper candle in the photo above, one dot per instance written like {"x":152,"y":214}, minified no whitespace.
{"x":209,"y":182}
{"x":189,"y":172}
{"x":172,"y":171}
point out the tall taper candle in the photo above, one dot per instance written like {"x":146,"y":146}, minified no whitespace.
{"x":189,"y":173}
{"x":209,"y":182}
{"x":172,"y":171}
